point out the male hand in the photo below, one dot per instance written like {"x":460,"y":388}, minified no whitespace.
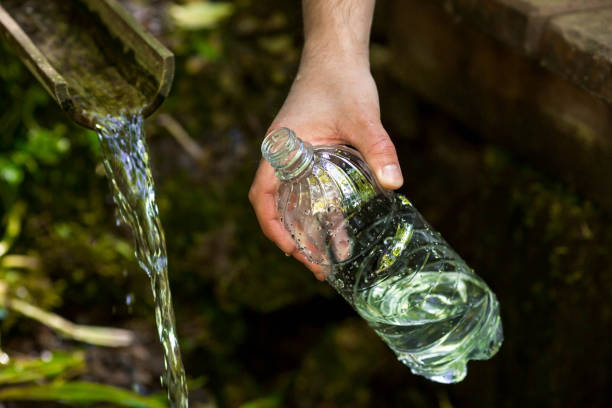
{"x":332,"y":101}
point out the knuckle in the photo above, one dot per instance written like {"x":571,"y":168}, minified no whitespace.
{"x":380,"y":144}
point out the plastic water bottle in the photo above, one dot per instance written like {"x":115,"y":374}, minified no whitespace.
{"x":380,"y":254}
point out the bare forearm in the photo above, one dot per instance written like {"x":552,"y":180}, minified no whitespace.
{"x":338,"y":29}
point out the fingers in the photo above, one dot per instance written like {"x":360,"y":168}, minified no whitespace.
{"x":379,"y":152}
{"x":262,"y":196}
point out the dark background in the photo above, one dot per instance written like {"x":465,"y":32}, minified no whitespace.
{"x":256,"y":329}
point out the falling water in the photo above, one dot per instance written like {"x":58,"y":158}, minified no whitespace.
{"x":126,"y":161}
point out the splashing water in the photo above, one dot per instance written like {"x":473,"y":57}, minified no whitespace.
{"x":126,"y":161}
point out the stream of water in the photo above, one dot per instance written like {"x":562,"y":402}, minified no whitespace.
{"x":126,"y":161}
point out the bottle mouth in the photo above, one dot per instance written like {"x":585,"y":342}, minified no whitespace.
{"x":277,"y":144}
{"x":287,"y":153}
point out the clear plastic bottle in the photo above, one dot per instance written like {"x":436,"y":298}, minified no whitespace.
{"x":380,"y":254}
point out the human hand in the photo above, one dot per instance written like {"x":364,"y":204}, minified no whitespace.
{"x":332,"y":101}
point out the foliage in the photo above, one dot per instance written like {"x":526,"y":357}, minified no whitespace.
{"x":82,"y":393}
{"x":19,"y":274}
{"x":57,"y":366}
{"x":51,"y":365}
{"x":199,"y":14}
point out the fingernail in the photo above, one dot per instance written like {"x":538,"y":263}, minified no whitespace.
{"x":391,"y":175}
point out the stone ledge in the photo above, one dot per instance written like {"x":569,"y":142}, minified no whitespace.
{"x":549,"y":30}
{"x":506,"y":97}
{"x":579,"y":46}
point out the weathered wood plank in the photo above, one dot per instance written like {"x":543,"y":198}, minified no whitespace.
{"x":504,"y":96}
{"x":579,"y":46}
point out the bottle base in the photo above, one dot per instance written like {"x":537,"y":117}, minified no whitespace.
{"x":449,"y":374}
{"x":448,"y":367}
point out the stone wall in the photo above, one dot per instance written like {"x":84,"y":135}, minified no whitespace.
{"x":533,"y":76}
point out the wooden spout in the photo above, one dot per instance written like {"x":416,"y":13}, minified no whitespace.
{"x":92,"y":56}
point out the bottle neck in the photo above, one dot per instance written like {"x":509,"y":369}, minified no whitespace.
{"x":290,"y":156}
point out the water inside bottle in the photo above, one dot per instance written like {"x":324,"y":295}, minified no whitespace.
{"x":429,"y":307}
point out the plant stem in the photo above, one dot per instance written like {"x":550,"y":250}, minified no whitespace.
{"x":101,"y":336}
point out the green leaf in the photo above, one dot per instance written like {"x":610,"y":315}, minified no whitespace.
{"x":208,"y":49}
{"x":18,"y":370}
{"x":13,"y":227}
{"x":81,"y":393}
{"x":200,"y":14}
{"x":47,"y":145}
{"x":10,"y":173}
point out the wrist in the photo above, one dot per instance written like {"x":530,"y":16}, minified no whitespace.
{"x":337,"y":30}
{"x":320,"y":53}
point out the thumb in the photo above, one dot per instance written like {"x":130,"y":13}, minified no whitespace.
{"x":379,"y":152}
